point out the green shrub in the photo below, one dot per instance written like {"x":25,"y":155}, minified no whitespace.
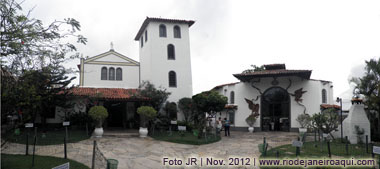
{"x":251,"y":119}
{"x":98,"y":114}
{"x":304,"y":120}
{"x":147,"y":113}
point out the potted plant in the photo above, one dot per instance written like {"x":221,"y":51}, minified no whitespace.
{"x":98,"y":114}
{"x":146,"y":113}
{"x":304,"y":120}
{"x":251,"y":119}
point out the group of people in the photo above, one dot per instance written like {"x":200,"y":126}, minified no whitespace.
{"x":223,"y":125}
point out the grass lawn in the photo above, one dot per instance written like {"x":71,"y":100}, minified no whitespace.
{"x":9,"y":161}
{"x":51,"y":137}
{"x":185,"y":138}
{"x":319,"y":150}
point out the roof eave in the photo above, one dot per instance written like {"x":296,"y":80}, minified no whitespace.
{"x":247,"y":77}
{"x":147,"y":20}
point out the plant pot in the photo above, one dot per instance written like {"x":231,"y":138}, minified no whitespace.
{"x":250,"y":129}
{"x":143,"y":131}
{"x":98,"y":132}
{"x":302,"y":130}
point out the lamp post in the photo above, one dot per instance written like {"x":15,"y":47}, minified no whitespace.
{"x":339,"y":100}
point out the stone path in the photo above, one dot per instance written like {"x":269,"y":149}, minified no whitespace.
{"x":141,"y":153}
{"x":148,"y":153}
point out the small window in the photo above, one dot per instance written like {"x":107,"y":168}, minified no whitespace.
{"x":146,"y":36}
{"x":177,"y":31}
{"x":232,"y":97}
{"x":172,"y":79}
{"x":324,"y":96}
{"x":162,"y":30}
{"x":171,"y":52}
{"x":142,"y":41}
{"x":103,"y":73}
{"x":119,"y":74}
{"x":112,"y":73}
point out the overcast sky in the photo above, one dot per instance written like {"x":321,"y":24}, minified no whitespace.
{"x":331,"y":37}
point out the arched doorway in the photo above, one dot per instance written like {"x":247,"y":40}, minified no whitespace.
{"x":275,"y":110}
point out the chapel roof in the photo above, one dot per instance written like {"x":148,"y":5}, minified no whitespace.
{"x":108,"y":93}
{"x":222,"y":85}
{"x":273,"y":70}
{"x":153,"y":19}
{"x":111,"y":51}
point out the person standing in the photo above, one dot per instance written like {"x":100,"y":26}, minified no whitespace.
{"x":226,"y":127}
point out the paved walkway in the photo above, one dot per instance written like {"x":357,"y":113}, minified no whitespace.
{"x":140,"y":153}
{"x":148,"y":153}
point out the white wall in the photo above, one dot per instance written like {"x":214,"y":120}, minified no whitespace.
{"x":155,"y":65}
{"x":311,"y":99}
{"x":92,"y":73}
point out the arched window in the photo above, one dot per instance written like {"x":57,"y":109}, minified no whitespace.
{"x":162,"y":30}
{"x":103,"y":75}
{"x":111,"y":74}
{"x":177,"y":31}
{"x":119,"y":74}
{"x":232,"y":97}
{"x":324,"y":96}
{"x":171,"y":52}
{"x":172,"y":79}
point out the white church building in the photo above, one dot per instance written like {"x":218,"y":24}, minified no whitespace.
{"x":277,"y":94}
{"x":113,"y":78}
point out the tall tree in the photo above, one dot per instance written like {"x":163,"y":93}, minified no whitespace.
{"x":39,"y":91}
{"x":369,"y":86}
{"x":186,"y":105}
{"x":34,"y":54}
{"x":207,"y":103}
{"x":157,"y":96}
{"x":26,"y":44}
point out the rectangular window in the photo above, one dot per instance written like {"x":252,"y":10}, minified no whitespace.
{"x":142,"y":41}
{"x":146,"y":36}
{"x":232,"y":117}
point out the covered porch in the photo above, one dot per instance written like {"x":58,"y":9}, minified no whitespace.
{"x":120,"y":103}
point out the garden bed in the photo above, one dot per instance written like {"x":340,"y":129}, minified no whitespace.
{"x":319,"y":150}
{"x":51,"y":137}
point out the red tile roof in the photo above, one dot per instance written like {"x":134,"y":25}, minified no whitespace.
{"x":273,"y":73}
{"x":147,"y":20}
{"x":230,"y":106}
{"x":108,"y":93}
{"x":326,"y":106}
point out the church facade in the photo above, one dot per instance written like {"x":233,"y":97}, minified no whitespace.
{"x":164,"y":53}
{"x":277,"y":94}
{"x":113,"y":79}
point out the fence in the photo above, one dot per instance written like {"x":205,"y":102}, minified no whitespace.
{"x":57,"y":142}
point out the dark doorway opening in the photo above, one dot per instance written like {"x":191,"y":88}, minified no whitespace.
{"x":275,"y":110}
{"x":116,"y":113}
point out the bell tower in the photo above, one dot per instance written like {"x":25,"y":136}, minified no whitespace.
{"x":165,"y":55}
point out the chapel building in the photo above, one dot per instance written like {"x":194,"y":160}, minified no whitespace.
{"x":277,"y":94}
